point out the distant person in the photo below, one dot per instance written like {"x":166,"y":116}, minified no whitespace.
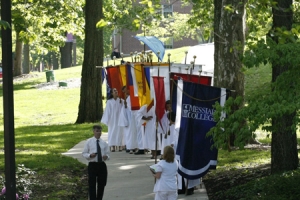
{"x":115,"y":53}
{"x":96,"y":151}
{"x":166,"y":174}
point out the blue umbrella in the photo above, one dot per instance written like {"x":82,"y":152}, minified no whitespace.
{"x":154,"y":44}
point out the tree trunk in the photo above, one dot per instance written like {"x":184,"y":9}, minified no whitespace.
{"x":284,"y":154}
{"x":229,"y":37}
{"x":74,"y":63}
{"x":26,"y":63}
{"x":90,"y":106}
{"x":55,"y":60}
{"x":18,"y":56}
{"x":66,"y":55}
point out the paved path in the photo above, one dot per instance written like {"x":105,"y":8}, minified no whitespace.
{"x":128,"y":176}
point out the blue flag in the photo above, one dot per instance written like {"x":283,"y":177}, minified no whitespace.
{"x":194,"y":118}
{"x":154,"y":44}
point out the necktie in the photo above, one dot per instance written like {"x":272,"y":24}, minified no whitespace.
{"x":99,"y":151}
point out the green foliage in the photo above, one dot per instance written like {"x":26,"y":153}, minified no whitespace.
{"x":264,"y":103}
{"x":128,"y":14}
{"x":44,"y":23}
{"x":176,"y":26}
{"x":4,"y":24}
{"x":264,"y":100}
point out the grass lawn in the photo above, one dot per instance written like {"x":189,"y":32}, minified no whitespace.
{"x":44,"y":128}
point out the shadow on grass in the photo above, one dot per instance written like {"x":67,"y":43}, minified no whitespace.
{"x":46,"y":143}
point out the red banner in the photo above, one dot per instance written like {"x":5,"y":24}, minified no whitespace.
{"x":159,"y":88}
{"x":114,"y":79}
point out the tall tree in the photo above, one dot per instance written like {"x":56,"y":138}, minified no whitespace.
{"x":284,"y":154}
{"x":90,"y":106}
{"x":229,"y":35}
{"x":273,"y":107}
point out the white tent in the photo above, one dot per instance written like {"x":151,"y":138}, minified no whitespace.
{"x":204,"y":56}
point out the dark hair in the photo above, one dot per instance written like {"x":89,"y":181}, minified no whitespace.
{"x":97,"y":127}
{"x":169,"y":154}
{"x":123,"y":87}
{"x":110,"y":96}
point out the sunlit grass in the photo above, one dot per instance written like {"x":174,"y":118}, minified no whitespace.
{"x":243,"y":158}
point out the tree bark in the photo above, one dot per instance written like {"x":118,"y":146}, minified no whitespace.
{"x":229,"y":37}
{"x":18,"y":56}
{"x":26,"y":63}
{"x":74,"y":48}
{"x":284,"y":154}
{"x":66,"y":55}
{"x":90,"y":106}
{"x":55,"y":60}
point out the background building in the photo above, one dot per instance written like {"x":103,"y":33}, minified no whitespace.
{"x":126,"y":42}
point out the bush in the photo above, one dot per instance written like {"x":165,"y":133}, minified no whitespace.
{"x":25,"y":180}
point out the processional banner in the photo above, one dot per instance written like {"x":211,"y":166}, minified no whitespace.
{"x":194,"y":118}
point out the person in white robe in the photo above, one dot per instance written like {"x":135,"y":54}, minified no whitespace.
{"x":151,"y":139}
{"x":166,"y":127}
{"x":111,"y":119}
{"x":127,"y":121}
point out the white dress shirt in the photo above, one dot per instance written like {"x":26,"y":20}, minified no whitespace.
{"x":90,"y":147}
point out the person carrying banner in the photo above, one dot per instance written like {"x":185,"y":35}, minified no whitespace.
{"x":111,"y":119}
{"x":127,"y":121}
{"x":148,"y":119}
{"x":166,"y":127}
{"x":165,"y":173}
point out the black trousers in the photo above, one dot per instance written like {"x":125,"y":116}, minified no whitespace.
{"x":97,"y":173}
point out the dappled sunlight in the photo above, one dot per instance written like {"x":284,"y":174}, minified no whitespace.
{"x":127,"y":167}
{"x":73,"y":151}
{"x":244,"y":158}
{"x":31,"y":152}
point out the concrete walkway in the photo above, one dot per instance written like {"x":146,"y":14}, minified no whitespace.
{"x":128,"y":176}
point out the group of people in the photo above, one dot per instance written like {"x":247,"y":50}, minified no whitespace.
{"x":137,"y":131}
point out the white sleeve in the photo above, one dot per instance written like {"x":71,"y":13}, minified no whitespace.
{"x":85,"y":152}
{"x":123,"y":117}
{"x":107,"y":113}
{"x":140,"y":114}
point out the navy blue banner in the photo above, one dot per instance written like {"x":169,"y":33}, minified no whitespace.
{"x":194,"y":118}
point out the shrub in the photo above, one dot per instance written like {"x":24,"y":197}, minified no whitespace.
{"x":25,"y":180}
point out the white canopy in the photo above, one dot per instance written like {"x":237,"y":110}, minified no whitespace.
{"x":204,"y":56}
